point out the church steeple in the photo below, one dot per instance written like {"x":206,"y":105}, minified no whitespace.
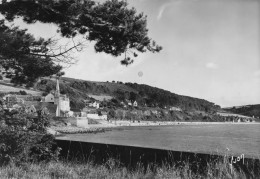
{"x":57,"y":92}
{"x":57,"y":96}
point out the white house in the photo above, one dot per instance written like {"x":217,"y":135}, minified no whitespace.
{"x":135,"y":104}
{"x":123,"y":104}
{"x":94,"y":104}
{"x":175,"y":109}
{"x":49,"y":98}
{"x":70,"y":114}
{"x":96,"y":116}
{"x":128,"y":103}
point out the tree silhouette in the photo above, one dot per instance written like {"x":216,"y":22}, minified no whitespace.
{"x":116,"y":29}
{"x":16,"y":57}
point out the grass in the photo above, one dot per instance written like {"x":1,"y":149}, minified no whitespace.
{"x":114,"y":169}
{"x":101,"y":97}
{"x":7,"y":89}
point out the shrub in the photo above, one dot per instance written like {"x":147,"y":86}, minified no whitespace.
{"x":24,"y":138}
{"x":111,"y":114}
{"x":99,"y":113}
{"x":23,"y":92}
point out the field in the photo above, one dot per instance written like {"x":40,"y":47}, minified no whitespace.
{"x":101,"y":97}
{"x":234,"y":139}
{"x":7,"y":89}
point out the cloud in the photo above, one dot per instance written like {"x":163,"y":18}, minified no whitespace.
{"x":166,"y":5}
{"x":211,"y":65}
{"x":161,"y":10}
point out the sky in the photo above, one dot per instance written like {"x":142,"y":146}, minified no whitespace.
{"x":211,"y":50}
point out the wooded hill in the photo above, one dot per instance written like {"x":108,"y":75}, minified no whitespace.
{"x":247,"y":110}
{"x":145,"y":95}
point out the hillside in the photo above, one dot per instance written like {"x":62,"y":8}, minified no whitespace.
{"x":247,"y":110}
{"x":145,"y":95}
{"x":9,"y":88}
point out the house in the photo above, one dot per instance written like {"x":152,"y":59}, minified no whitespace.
{"x":32,"y":107}
{"x":135,"y":104}
{"x":35,"y":109}
{"x":128,"y":102}
{"x":96,"y":116}
{"x":47,"y":108}
{"x":175,"y":108}
{"x":49,"y":98}
{"x":10,"y":100}
{"x":94,"y":105}
{"x":123,"y":104}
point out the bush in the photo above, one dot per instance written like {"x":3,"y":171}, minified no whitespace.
{"x":111,"y":114}
{"x":24,"y":138}
{"x":99,"y":113}
{"x":23,"y":92}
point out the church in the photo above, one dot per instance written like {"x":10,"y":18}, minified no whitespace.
{"x":62,"y":101}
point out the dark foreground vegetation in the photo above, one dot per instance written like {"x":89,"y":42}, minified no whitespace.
{"x":113,"y":168}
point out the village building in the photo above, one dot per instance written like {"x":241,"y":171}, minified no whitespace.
{"x":123,"y":104}
{"x":128,"y":102}
{"x":33,"y":107}
{"x":175,"y":108}
{"x":135,"y":104}
{"x":49,"y":98}
{"x":10,"y":100}
{"x":61,"y":101}
{"x":30,"y":109}
{"x":94,"y":105}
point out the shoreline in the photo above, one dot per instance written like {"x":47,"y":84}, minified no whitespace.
{"x":93,"y":128}
{"x":120,"y":123}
